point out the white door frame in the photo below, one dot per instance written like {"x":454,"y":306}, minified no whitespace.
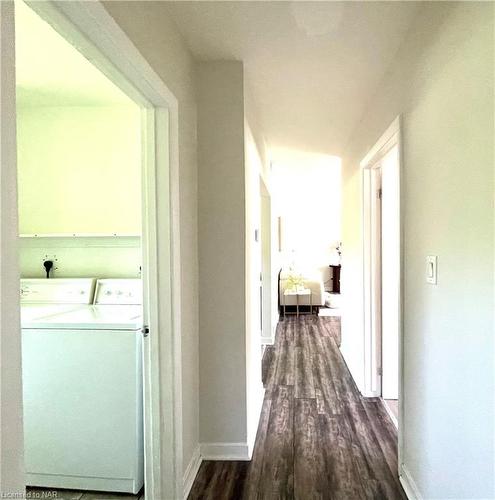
{"x":89,"y":27}
{"x":370,"y":165}
{"x":11,"y":430}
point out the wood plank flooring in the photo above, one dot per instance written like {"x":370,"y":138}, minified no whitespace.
{"x":317,"y":438}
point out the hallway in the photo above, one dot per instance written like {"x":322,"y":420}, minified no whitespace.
{"x":318,"y":438}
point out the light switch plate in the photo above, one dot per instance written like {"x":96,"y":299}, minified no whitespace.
{"x":431,"y":269}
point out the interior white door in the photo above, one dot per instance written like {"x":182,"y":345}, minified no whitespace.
{"x":390,"y":279}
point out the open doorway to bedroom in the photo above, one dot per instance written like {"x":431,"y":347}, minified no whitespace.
{"x":307,"y":207}
{"x":382,"y":271}
{"x":268,"y":322}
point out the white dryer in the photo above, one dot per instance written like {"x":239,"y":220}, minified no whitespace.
{"x":83,"y":390}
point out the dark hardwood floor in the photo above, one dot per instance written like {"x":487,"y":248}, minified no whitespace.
{"x":317,"y":438}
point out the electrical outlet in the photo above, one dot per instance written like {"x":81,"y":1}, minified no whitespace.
{"x":53,"y":258}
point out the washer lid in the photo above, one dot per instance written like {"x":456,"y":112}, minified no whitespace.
{"x":31,"y":312}
{"x":114,"y":317}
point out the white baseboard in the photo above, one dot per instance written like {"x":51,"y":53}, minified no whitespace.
{"x":212,"y":451}
{"x":410,"y":487}
{"x":191,"y":471}
{"x":267,"y":340}
{"x":225,"y":451}
{"x":221,"y":451}
{"x":390,"y":413}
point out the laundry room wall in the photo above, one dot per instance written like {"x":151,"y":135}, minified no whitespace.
{"x":76,"y":257}
{"x":79,"y":169}
{"x":80,"y":173}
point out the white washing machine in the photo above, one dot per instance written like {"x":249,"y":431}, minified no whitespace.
{"x":82,"y":380}
{"x":43,"y":297}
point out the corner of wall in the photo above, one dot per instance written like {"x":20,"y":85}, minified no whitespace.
{"x":222,"y":250}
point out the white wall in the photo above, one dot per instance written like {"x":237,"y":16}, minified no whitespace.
{"x":79,"y":169}
{"x":222,"y":253}
{"x":256,"y":145}
{"x":11,"y":431}
{"x":102,"y":257}
{"x":306,"y":192}
{"x":442,"y":84}
{"x":155,"y":35}
{"x":230,"y":166}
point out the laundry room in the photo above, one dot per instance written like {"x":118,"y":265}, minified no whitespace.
{"x":79,"y":157}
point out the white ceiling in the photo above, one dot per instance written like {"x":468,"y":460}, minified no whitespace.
{"x":312,"y":66}
{"x":51,"y":72}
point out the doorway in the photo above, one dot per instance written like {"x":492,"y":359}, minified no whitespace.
{"x":382,"y":272}
{"x":79,"y":164}
{"x":266,"y":266}
{"x":100,"y":40}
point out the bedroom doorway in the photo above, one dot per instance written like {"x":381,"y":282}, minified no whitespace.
{"x":382,"y":271}
{"x":266,"y":266}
